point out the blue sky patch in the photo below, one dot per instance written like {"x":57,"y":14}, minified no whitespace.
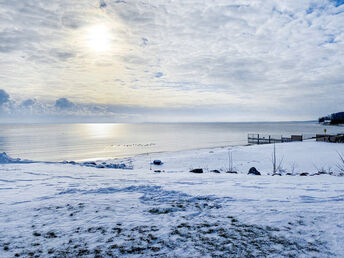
{"x":337,"y":2}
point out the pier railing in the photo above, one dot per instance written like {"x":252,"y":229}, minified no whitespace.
{"x":266,"y":139}
{"x":255,"y":138}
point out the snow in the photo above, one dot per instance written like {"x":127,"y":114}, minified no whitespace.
{"x":4,"y":158}
{"x":57,"y":209}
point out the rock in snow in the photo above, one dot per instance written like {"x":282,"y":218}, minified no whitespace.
{"x":254,"y":171}
{"x":157,"y":162}
{"x":197,"y":170}
{"x":90,"y":164}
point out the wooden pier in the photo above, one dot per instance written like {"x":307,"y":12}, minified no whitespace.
{"x":266,"y":139}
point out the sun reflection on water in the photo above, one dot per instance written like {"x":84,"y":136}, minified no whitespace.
{"x":102,"y":131}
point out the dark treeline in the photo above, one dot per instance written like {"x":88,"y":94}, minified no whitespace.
{"x":333,"y":119}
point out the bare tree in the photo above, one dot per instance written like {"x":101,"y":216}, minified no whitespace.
{"x":274,"y":168}
{"x":276,"y":165}
{"x":231,"y":168}
{"x":230,"y":161}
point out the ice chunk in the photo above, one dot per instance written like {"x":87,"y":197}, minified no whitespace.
{"x":5,"y":159}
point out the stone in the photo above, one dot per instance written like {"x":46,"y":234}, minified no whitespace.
{"x":254,"y":171}
{"x":197,"y":170}
{"x":215,"y":171}
{"x":304,"y":174}
{"x":90,"y":164}
{"x":157,"y":162}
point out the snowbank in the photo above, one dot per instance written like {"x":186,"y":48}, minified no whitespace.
{"x":5,"y":159}
{"x":100,"y":164}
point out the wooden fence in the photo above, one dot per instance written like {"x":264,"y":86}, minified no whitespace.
{"x":339,"y":138}
{"x":266,"y":139}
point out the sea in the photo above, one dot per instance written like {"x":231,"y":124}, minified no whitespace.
{"x":80,"y":142}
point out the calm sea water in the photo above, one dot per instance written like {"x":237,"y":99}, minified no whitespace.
{"x":57,"y":142}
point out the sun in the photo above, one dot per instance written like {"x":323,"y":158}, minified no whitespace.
{"x":98,"y":38}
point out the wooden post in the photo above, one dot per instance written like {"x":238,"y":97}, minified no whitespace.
{"x":269,"y":138}
{"x":258,"y":138}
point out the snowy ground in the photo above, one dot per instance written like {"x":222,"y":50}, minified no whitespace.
{"x":65,"y":210}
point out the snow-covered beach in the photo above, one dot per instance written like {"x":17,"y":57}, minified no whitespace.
{"x":171,"y":128}
{"x":57,"y":210}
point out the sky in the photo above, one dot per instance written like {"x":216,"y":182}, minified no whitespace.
{"x":171,"y":60}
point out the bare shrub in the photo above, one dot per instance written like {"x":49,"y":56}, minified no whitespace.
{"x":231,"y":167}
{"x":340,"y":164}
{"x":276,"y":164}
{"x":293,"y":167}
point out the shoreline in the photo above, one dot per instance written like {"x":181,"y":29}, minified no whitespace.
{"x":294,"y":158}
{"x":302,"y":157}
{"x":99,"y":159}
{"x":164,"y":152}
{"x":84,"y":142}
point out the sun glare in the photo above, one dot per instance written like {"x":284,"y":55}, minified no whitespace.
{"x":98,"y":38}
{"x":100,"y":130}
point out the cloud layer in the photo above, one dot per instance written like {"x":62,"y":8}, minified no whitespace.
{"x":232,"y":60}
{"x":4,"y":97}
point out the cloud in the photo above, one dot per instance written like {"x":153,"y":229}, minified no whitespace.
{"x":28,"y":102}
{"x":158,"y":75}
{"x":64,"y":103}
{"x":102,"y":4}
{"x":144,"y":42}
{"x":62,"y":55}
{"x":33,"y":110}
{"x":259,"y":53}
{"x":4,"y":97}
{"x":338,"y":2}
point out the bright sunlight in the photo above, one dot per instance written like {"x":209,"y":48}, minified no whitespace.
{"x":99,"y":38}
